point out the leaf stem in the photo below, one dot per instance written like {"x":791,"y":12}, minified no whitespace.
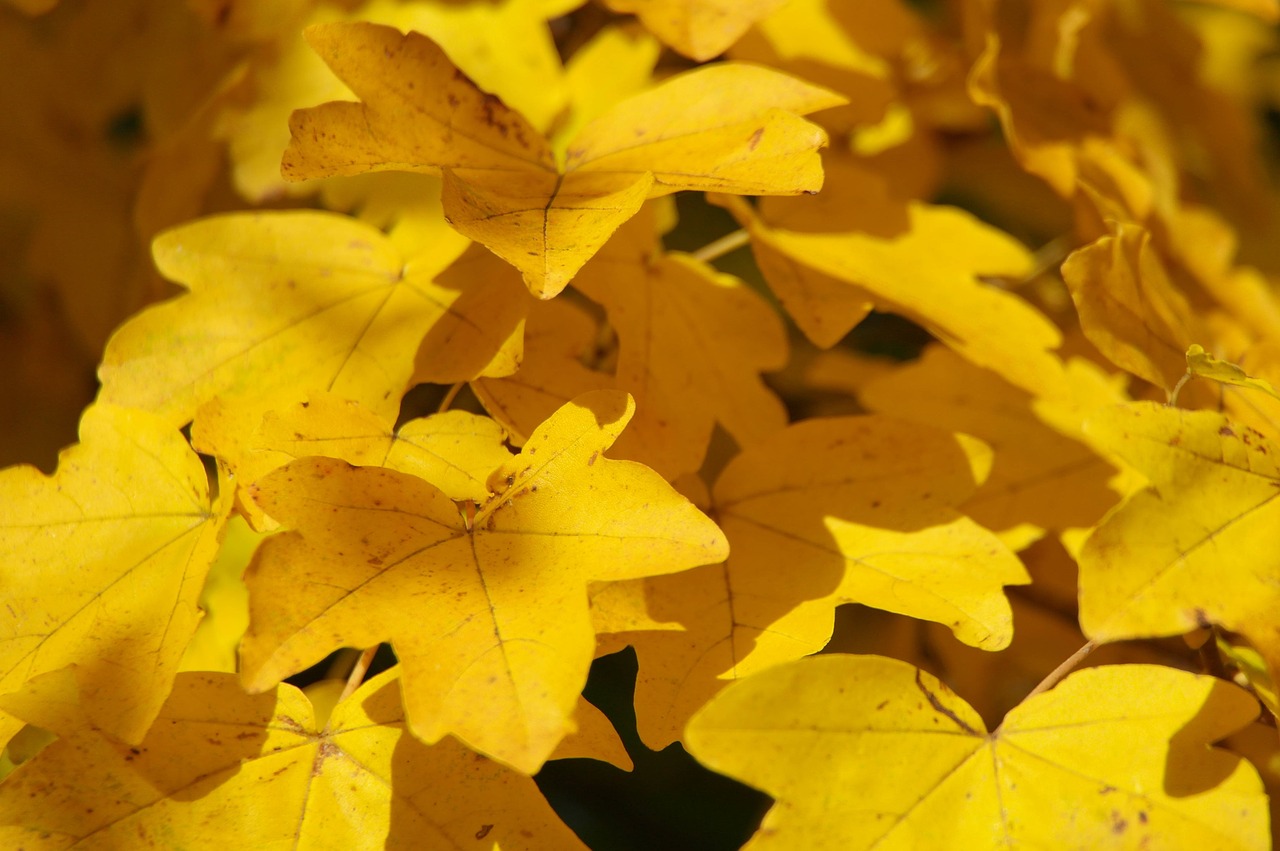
{"x":358,"y":671}
{"x":449,"y":397}
{"x":1177,"y":388}
{"x":729,"y":242}
{"x":1062,"y":670}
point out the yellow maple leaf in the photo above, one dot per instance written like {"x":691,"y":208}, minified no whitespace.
{"x":285,"y":74}
{"x":1198,"y":546}
{"x":502,"y":184}
{"x":870,"y":752}
{"x":927,"y":273}
{"x":558,"y":337}
{"x":700,"y":29}
{"x":299,"y":301}
{"x":103,"y":564}
{"x":487,"y":613}
{"x":1129,"y":308}
{"x":691,"y":346}
{"x":825,"y":512}
{"x":454,"y":450}
{"x":354,"y":781}
{"x":1042,"y":474}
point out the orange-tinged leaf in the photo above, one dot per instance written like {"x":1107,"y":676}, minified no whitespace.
{"x":1201,"y":545}
{"x":488,"y":614}
{"x":558,"y":337}
{"x":1129,"y":308}
{"x":292,"y":302}
{"x":700,"y":29}
{"x":1043,"y":474}
{"x":732,"y":128}
{"x":261,"y":772}
{"x":825,"y":512}
{"x":104,"y":563}
{"x":929,"y":274}
{"x":691,"y":346}
{"x":594,"y":738}
{"x":869,"y":752}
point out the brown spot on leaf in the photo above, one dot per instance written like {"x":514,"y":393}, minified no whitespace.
{"x":755,"y":139}
{"x":592,"y":459}
{"x":483,"y":831}
{"x":1226,"y":431}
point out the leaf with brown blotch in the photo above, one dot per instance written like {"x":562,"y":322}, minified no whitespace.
{"x":729,"y":128}
{"x":485,"y":607}
{"x":692,"y":344}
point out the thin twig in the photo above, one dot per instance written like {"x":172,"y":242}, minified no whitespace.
{"x":449,"y":397}
{"x":1062,"y":670}
{"x":729,"y":242}
{"x":1057,"y":674}
{"x":1177,"y":388}
{"x":358,"y":671}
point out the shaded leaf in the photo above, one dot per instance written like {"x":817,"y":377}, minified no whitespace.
{"x":700,"y":29}
{"x":217,"y":755}
{"x":691,"y":346}
{"x":103,"y":565}
{"x":825,"y":512}
{"x":1129,"y":308}
{"x":1043,"y":474}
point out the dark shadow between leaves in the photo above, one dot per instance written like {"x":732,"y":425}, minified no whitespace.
{"x":1192,"y":767}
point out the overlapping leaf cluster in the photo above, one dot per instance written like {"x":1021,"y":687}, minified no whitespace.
{"x":285,"y":225}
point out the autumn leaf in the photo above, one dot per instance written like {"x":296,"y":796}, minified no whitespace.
{"x":103,"y":565}
{"x":1129,"y":307}
{"x":825,"y":512}
{"x":870,"y":752}
{"x":691,"y":346}
{"x":1043,"y":474}
{"x":487,"y":613}
{"x":292,"y":302}
{"x":454,"y":450}
{"x":1197,"y":547}
{"x":285,"y":74}
{"x":700,"y":29}
{"x":928,"y":273}
{"x":559,"y":337}
{"x":1201,"y":363}
{"x":216,"y":754}
{"x":502,"y":184}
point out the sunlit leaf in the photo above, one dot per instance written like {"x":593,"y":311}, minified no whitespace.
{"x":292,"y":302}
{"x":503,"y":186}
{"x":486,"y":607}
{"x":869,"y":752}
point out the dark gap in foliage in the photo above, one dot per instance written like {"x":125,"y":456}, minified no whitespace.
{"x":669,"y":801}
